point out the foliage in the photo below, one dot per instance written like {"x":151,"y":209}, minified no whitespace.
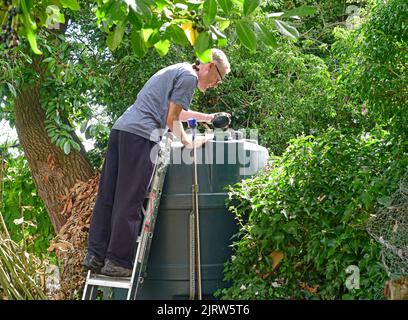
{"x":282,"y":93}
{"x":22,"y":275}
{"x":372,"y":63}
{"x":312,"y":205}
{"x":23,"y":210}
{"x":152,"y":23}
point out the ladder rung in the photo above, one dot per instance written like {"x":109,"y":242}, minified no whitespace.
{"x":104,"y":281}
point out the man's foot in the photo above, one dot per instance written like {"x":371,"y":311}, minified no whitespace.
{"x":113,"y":270}
{"x":92,"y":263}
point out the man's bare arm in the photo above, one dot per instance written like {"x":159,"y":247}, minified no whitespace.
{"x":199,"y":116}
{"x":174,"y":123}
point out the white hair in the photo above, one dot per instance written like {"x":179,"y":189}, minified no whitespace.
{"x":221,"y":60}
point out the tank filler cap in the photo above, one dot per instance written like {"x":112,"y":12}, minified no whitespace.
{"x":221,"y":120}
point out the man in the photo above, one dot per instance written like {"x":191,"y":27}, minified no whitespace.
{"x":127,"y":170}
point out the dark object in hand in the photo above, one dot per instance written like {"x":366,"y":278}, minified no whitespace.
{"x":221,"y":120}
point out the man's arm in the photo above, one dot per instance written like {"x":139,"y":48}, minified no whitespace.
{"x":199,"y":116}
{"x":175,"y":125}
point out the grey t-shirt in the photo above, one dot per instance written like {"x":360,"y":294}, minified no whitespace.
{"x":174,"y":83}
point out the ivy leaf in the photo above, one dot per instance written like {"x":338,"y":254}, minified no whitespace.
{"x":250,"y":6}
{"x":226,"y":5}
{"x":71,"y":4}
{"x":246,"y":35}
{"x":210,"y":11}
{"x":286,"y":29}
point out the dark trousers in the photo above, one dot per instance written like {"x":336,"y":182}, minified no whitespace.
{"x":117,"y":215}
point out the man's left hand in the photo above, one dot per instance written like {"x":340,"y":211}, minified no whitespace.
{"x":212,"y":115}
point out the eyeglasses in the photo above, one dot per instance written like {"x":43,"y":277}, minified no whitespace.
{"x":218,"y":70}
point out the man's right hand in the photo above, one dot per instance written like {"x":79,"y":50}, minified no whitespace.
{"x":199,"y":142}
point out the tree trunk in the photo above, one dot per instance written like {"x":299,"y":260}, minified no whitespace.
{"x":54,"y":172}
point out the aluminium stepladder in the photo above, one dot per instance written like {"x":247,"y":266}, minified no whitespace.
{"x":150,"y":210}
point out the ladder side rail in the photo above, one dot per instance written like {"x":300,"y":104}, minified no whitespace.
{"x":153,"y":203}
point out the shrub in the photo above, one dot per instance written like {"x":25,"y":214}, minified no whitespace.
{"x":281,"y":92}
{"x":22,"y":208}
{"x":312,"y":205}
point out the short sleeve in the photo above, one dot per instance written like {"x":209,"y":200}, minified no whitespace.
{"x":183,"y":90}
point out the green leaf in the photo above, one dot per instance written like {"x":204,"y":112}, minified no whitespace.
{"x":385,"y":201}
{"x":49,"y":59}
{"x":222,"y":42}
{"x":205,"y":56}
{"x":131,"y":4}
{"x":160,"y":4}
{"x":265,"y":35}
{"x":83,"y":126}
{"x":178,"y":35}
{"x":33,"y":41}
{"x":154,"y":38}
{"x":12,"y":89}
{"x":286,"y":29}
{"x":246,"y":35}
{"x":143,"y":10}
{"x":162,"y":47}
{"x":117,"y":11}
{"x":202,"y":42}
{"x":115,"y":38}
{"x":219,"y":34}
{"x":28,"y":23}
{"x":71,"y":4}
{"x":210,"y":11}
{"x":138,"y":43}
{"x":135,"y":20}
{"x":146,"y":33}
{"x":250,"y":6}
{"x":226,"y":5}
{"x":67,"y":147}
{"x":301,"y":12}
{"x":222,"y":25}
{"x":76,"y":146}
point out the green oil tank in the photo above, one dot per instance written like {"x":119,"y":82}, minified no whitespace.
{"x":223,"y":161}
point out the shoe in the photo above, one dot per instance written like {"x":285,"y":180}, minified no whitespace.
{"x":113,"y":270}
{"x":92,"y":263}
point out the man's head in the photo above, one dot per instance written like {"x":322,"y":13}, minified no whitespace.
{"x":211,"y":74}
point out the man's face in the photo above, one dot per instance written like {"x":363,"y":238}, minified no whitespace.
{"x":210,"y":76}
